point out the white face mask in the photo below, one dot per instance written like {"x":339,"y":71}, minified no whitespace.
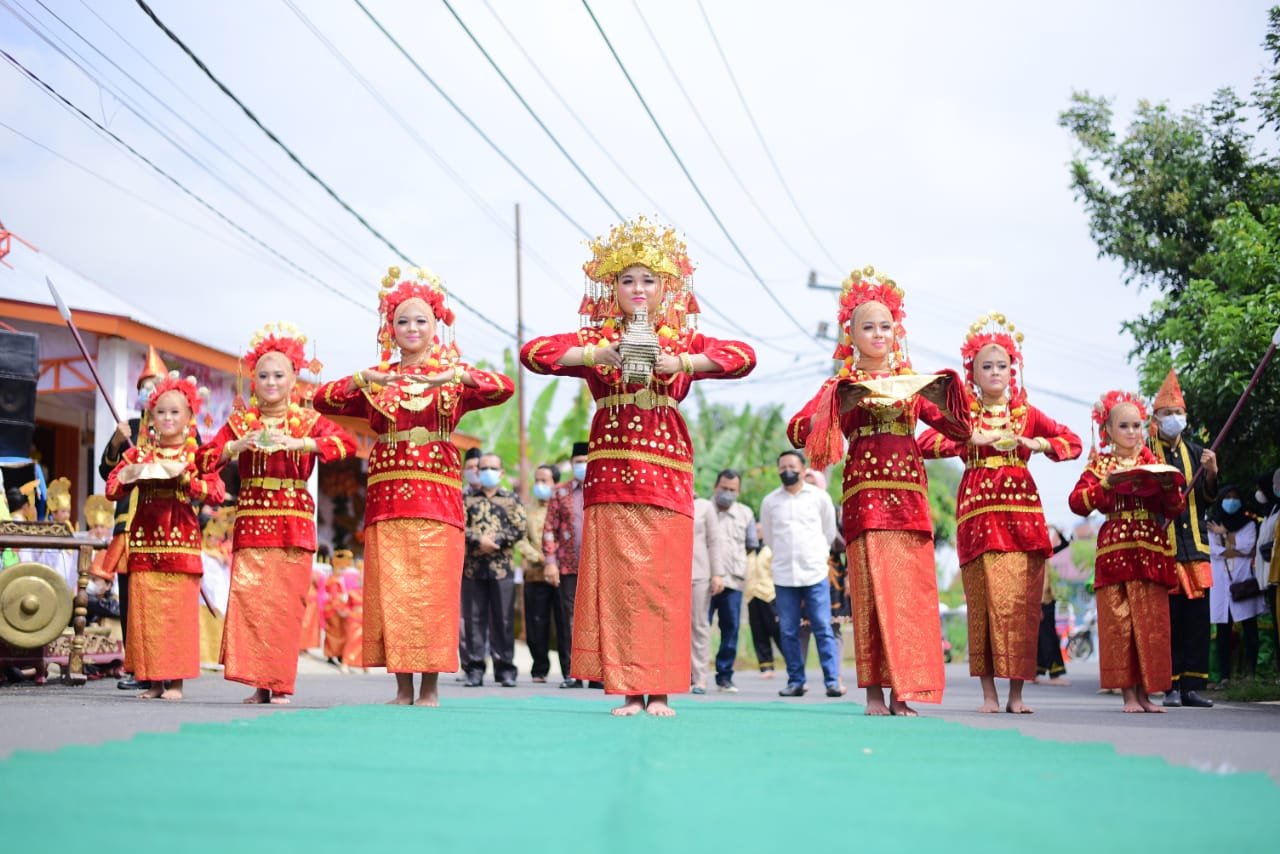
{"x":1260,"y":497}
{"x":1172,"y":425}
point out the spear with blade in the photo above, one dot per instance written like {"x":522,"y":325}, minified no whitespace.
{"x":75,"y":333}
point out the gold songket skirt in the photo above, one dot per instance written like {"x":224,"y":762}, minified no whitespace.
{"x":1003,"y":592}
{"x":897,"y":632}
{"x":631,"y":625}
{"x":264,"y":616}
{"x":1133,"y":636}
{"x":412,"y":595}
{"x":164,"y":625}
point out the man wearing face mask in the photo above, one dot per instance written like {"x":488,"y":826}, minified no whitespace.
{"x":738,"y":537}
{"x":541,"y":598}
{"x":562,"y":544}
{"x":798,"y":520}
{"x":114,"y":560}
{"x":1188,"y":604}
{"x":470,"y":482}
{"x":471,"y":469}
{"x":495,"y":523}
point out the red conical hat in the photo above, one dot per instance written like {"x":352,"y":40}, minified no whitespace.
{"x":1170,"y":393}
{"x":154,"y":369}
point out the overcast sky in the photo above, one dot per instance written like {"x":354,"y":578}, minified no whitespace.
{"x":918,"y":137}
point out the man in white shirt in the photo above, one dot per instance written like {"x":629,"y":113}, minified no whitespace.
{"x":798,"y":521}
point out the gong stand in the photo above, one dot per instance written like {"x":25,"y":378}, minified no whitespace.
{"x":32,"y":602}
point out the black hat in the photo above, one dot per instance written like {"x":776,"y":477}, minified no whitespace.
{"x":471,"y":454}
{"x":579,"y":449}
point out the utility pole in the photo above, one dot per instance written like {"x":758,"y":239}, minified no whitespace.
{"x":524,"y":438}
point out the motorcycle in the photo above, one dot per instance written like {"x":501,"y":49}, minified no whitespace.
{"x":1080,"y":640}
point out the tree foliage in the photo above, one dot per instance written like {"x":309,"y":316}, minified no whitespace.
{"x":1189,"y":203}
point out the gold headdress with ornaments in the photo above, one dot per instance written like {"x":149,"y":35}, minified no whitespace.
{"x":639,"y":242}
{"x":99,"y":512}
{"x":861,"y":287}
{"x":994,"y":328}
{"x":426,"y":286}
{"x":58,"y":495}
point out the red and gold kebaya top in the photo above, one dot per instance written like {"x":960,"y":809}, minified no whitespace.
{"x":998,"y":508}
{"x":1134,"y":543}
{"x":639,"y":451}
{"x":274,"y":508}
{"x":885,"y":485}
{"x":164,"y":534}
{"x":415,"y":471}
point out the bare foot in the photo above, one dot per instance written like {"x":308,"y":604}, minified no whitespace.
{"x":173,"y":692}
{"x":900,"y":707}
{"x":1131,"y":703}
{"x":399,"y":700}
{"x":766,"y":674}
{"x":658,"y":707}
{"x":280,"y":700}
{"x":1018,"y":708}
{"x":404,"y":690}
{"x":429,"y":696}
{"x":1147,"y":706}
{"x":989,"y":707}
{"x":990,"y":699}
{"x":152,"y":693}
{"x":875,"y":703}
{"x":261,"y":695}
{"x":634,"y":705}
{"x":1057,"y":681}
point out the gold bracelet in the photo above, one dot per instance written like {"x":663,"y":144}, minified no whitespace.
{"x":1044,"y":444}
{"x":686,"y":361}
{"x":589,"y":355}
{"x":457,"y":374}
{"x":308,"y":445}
{"x":358,"y":379}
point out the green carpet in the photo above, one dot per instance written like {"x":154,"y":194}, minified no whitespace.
{"x":559,"y":775}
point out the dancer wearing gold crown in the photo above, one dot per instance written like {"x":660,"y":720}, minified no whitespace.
{"x":1001,"y":536}
{"x":1134,"y":569}
{"x":275,"y":443}
{"x":875,"y":400}
{"x":639,"y":354}
{"x":413,"y":513}
{"x":164,"y":548}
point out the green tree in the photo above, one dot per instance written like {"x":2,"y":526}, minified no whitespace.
{"x":1188,"y":203}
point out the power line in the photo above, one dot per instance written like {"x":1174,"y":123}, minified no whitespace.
{"x":724,"y":157}
{"x":58,"y":96}
{"x":497,"y":149}
{"x":760,"y":136}
{"x":297,"y":161}
{"x":781,"y":306}
{"x":514,"y":91}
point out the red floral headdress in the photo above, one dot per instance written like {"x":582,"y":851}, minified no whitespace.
{"x":994,"y":328}
{"x":861,"y":287}
{"x":282,"y":338}
{"x":640,"y":242}
{"x":1102,"y":410}
{"x":195,"y":395}
{"x":427,"y":288}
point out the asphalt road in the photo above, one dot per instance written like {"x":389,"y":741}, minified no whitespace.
{"x":1225,"y":739}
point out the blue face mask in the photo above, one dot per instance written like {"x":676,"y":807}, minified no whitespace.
{"x":489,"y":478}
{"x":580,"y":471}
{"x":1230,"y":505}
{"x":143,"y":396}
{"x":542,"y":491}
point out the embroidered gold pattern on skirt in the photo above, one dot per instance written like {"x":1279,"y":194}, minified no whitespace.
{"x":164,"y":625}
{"x":631,"y":624}
{"x":896,"y":628}
{"x":264,"y":616}
{"x":1133,"y":636}
{"x":1002,"y":591}
{"x":412,"y":595}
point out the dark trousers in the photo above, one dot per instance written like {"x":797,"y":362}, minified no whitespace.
{"x":568,"y":594}
{"x":1048,"y":646}
{"x":1189,"y":637}
{"x":727,"y":607}
{"x":490,"y":620}
{"x":762,"y":617}
{"x":123,"y":579}
{"x":541,"y":611}
{"x":1249,"y":628}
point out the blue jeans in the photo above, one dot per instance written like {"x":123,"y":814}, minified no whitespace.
{"x":817,"y":607}
{"x":728,"y":605}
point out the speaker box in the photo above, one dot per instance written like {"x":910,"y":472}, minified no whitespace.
{"x":19,"y":370}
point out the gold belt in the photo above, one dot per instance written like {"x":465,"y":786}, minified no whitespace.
{"x":416,"y":436}
{"x":274,"y":483}
{"x":897,"y":428}
{"x":1130,"y":515}
{"x":643,"y":399}
{"x":998,"y":462}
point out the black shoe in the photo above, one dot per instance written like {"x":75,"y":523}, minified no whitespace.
{"x":508,"y":682}
{"x":1193,"y":700}
{"x":594,"y":684}
{"x":836,"y":690}
{"x":128,"y":683}
{"x":793,"y":691}
{"x":571,"y":683}
{"x":1173,"y":699}
{"x":474,"y":680}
